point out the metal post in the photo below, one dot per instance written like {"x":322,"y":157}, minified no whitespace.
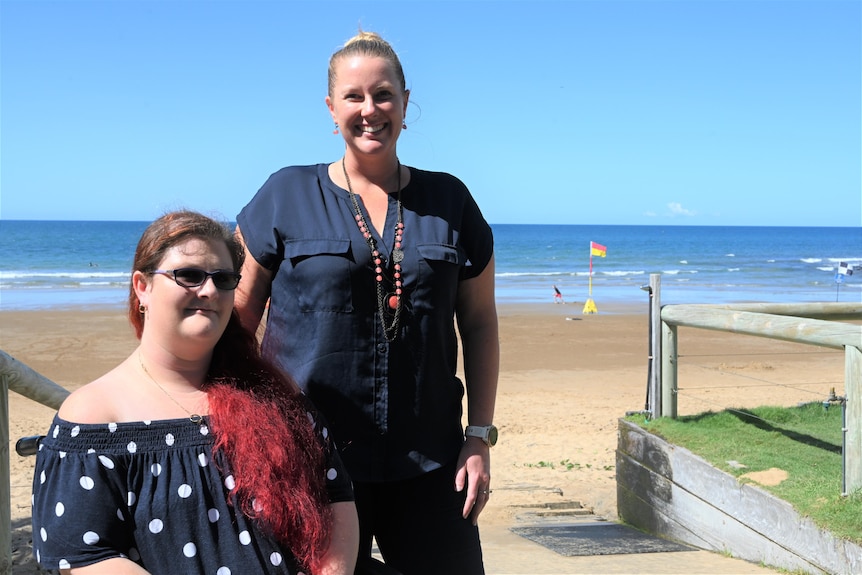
{"x":655,"y":346}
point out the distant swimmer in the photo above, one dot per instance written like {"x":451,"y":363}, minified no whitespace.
{"x":92,"y":265}
{"x":558,"y":297}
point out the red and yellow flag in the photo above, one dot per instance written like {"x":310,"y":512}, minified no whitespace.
{"x":598,"y":250}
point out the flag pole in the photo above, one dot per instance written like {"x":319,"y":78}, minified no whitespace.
{"x":590,"y":305}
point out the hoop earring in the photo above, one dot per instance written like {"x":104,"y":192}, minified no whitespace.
{"x":335,"y":131}
{"x":141,"y":309}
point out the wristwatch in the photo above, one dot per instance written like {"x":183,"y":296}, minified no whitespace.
{"x":487,"y":433}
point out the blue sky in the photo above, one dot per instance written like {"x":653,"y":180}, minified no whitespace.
{"x":695,"y":112}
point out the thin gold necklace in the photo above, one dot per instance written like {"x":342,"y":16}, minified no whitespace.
{"x":193,"y":417}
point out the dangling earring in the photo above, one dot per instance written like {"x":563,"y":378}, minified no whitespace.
{"x":403,"y":125}
{"x":141,"y":309}
{"x":335,"y":131}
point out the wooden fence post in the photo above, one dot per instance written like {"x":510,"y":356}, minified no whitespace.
{"x":5,"y":489}
{"x":22,"y":379}
{"x":669,"y":375}
{"x":852,"y":419}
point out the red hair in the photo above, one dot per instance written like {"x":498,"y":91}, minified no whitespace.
{"x":262,"y":425}
{"x":259,"y":418}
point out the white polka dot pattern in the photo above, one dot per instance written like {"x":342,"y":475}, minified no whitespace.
{"x":94,"y":480}
{"x":156,"y":526}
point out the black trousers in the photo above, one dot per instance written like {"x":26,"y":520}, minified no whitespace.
{"x":418,"y":525}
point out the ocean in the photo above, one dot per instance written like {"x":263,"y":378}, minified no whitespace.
{"x":46,"y":264}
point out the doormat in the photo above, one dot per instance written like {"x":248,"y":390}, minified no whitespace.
{"x":597,"y":539}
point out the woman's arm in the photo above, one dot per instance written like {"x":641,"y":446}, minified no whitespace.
{"x":340,"y":558}
{"x":476,"y":311}
{"x":114,"y":566}
{"x":253,"y":290}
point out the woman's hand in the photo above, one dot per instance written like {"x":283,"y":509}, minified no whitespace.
{"x":474,"y":472}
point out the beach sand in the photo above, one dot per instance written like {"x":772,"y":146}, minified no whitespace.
{"x":566,"y":378}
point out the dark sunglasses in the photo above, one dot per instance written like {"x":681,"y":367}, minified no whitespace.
{"x":194,"y":277}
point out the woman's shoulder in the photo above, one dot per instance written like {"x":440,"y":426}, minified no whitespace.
{"x":295,"y":176}
{"x":99,"y":401}
{"x":421,"y":175}
{"x":85,"y":405}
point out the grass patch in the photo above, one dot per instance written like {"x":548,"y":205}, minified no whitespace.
{"x":566,"y":465}
{"x":804,"y":441}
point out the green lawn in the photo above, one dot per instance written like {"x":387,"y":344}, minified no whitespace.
{"x":804,"y":441}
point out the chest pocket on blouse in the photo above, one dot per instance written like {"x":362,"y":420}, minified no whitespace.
{"x":319,"y":275}
{"x":439,"y":273}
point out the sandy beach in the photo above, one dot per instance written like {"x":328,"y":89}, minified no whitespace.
{"x":566,"y":378}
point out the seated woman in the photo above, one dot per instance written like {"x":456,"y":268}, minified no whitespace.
{"x":194,"y":455}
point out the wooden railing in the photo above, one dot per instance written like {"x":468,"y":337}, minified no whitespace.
{"x":801,"y":323}
{"x":17,"y":377}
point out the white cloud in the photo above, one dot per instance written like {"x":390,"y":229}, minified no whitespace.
{"x":676,"y":209}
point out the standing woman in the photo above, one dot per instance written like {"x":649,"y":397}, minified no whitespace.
{"x":367,"y":264}
{"x":194,"y":455}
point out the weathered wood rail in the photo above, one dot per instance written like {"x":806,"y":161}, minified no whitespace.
{"x":804,"y":323}
{"x":17,"y":377}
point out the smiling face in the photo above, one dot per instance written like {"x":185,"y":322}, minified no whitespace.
{"x":368,"y":103}
{"x":185,"y":319}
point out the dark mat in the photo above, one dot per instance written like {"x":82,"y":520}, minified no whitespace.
{"x":597,"y":539}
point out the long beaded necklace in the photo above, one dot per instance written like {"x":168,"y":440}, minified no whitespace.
{"x":387,"y":306}
{"x":193,"y":417}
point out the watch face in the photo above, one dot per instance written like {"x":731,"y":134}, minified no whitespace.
{"x":492,"y":435}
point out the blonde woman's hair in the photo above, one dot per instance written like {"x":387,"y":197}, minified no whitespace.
{"x":367,"y":44}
